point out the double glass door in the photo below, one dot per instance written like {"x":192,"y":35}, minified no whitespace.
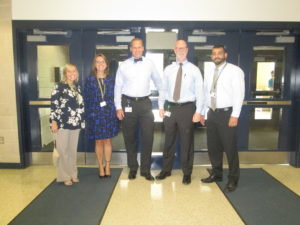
{"x":265,"y":122}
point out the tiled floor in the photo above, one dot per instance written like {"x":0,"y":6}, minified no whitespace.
{"x":140,"y":202}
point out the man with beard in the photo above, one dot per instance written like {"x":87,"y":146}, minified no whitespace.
{"x":224,"y":91}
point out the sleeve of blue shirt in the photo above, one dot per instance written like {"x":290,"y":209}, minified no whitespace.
{"x":118,"y":89}
{"x":199,"y":91}
{"x":164,"y":91}
{"x":205,"y":95}
{"x":156,"y":79}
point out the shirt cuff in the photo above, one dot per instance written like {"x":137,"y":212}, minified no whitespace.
{"x":235,"y":114}
{"x":199,"y":110}
{"x":118,"y":106}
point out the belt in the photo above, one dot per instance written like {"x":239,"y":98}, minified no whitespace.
{"x":222,"y":109}
{"x":179,"y":104}
{"x":135,"y":98}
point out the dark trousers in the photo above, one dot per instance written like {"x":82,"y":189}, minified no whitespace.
{"x":141,"y":116}
{"x":221,"y":137}
{"x":179,"y":123}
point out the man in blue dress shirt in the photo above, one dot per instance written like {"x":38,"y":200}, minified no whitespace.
{"x":180,"y":105}
{"x":132,"y":90}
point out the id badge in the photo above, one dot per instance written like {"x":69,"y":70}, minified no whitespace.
{"x":128,"y":109}
{"x":167,"y":113}
{"x":102,"y":104}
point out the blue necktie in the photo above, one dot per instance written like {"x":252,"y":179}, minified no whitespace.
{"x":138,"y":59}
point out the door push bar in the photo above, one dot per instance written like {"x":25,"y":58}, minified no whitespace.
{"x":269,"y":103}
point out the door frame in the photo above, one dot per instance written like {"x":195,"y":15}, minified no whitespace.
{"x":23,"y":28}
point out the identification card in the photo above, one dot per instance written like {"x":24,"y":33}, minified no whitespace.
{"x":167,"y":113}
{"x":102,"y":104}
{"x":128,"y":109}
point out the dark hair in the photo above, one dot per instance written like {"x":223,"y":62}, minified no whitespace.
{"x":220,"y":46}
{"x":136,"y":39}
{"x":94,"y":69}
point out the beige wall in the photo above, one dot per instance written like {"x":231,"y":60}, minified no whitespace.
{"x":169,"y":10}
{"x":9,"y":151}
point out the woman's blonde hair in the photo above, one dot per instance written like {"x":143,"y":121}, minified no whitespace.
{"x":66,"y":68}
{"x":94,"y":69}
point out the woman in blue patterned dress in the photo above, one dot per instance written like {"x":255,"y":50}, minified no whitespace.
{"x":102,"y":123}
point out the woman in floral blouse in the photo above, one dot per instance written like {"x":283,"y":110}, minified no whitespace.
{"x":66,"y":120}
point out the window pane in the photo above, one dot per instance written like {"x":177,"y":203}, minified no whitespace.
{"x":51,"y":59}
{"x":160,"y":45}
{"x":264,"y":128}
{"x":46,"y":135}
{"x":265,"y":76}
{"x":268,"y":72}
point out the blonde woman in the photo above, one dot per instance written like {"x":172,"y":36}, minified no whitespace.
{"x":66,"y":120}
{"x":102,"y":122}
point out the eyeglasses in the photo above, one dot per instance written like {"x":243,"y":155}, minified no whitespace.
{"x":181,"y":48}
{"x":100,"y":61}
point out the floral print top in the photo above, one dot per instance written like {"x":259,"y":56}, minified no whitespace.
{"x":67,"y":107}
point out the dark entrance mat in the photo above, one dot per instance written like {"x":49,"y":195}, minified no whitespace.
{"x":82,"y":203}
{"x":260,"y":199}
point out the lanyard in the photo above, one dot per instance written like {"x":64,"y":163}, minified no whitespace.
{"x":102,"y":91}
{"x":214,"y":83}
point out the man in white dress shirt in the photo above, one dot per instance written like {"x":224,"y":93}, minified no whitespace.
{"x":180,"y":105}
{"x":224,"y":90}
{"x":134,"y":108}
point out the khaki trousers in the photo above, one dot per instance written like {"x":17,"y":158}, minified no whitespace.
{"x":66,"y":144}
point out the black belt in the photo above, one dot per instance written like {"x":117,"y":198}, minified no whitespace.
{"x":135,"y":98}
{"x":222,"y":109}
{"x":179,"y":104}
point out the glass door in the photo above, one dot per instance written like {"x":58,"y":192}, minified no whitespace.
{"x":114,"y":44}
{"x":45,"y":56}
{"x":159,"y":48}
{"x":268,"y":62}
{"x":115,"y":54}
{"x":200,"y":44}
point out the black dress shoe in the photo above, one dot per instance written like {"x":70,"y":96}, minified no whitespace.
{"x":101,"y":177}
{"x":108,"y":175}
{"x":186,"y":179}
{"x":211,"y":178}
{"x":132,"y":175}
{"x":231,"y":186}
{"x":162,"y":175}
{"x":148,"y":176}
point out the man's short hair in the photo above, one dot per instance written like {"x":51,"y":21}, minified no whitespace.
{"x":220,"y":46}
{"x":136,"y":39}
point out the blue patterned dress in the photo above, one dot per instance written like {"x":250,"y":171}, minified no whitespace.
{"x":102,"y":122}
